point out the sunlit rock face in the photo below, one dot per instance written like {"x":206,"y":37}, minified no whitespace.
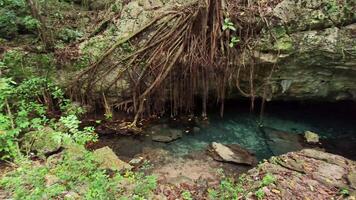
{"x":312,"y":50}
{"x":310,"y":45}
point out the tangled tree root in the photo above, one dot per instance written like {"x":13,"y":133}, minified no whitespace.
{"x":187,"y":53}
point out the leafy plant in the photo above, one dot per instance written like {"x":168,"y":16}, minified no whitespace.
{"x":31,"y":23}
{"x":23,"y":65}
{"x":186,"y":195}
{"x":14,"y":16}
{"x":212,"y":194}
{"x":344,"y":192}
{"x":234,"y":41}
{"x":267,"y":180}
{"x":80,"y":176}
{"x":228,"y":25}
{"x":8,"y":26}
{"x":69,"y":35}
{"x":145,"y":184}
{"x":24,"y":107}
{"x":81,"y":137}
{"x":260,"y":194}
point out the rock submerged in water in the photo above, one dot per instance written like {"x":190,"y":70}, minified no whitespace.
{"x":280,"y":141}
{"x":311,"y":137}
{"x":232,"y":153}
{"x":164,"y":134}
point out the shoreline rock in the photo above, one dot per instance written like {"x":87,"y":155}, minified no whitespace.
{"x":306,"y":174}
{"x":311,"y":137}
{"x":109,"y":160}
{"x":233,"y":153}
{"x":162,"y":133}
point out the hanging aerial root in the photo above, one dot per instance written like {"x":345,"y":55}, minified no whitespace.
{"x":186,"y":54}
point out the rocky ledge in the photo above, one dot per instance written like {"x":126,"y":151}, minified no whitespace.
{"x":306,"y":174}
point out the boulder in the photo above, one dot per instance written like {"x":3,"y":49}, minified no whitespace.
{"x":308,"y":43}
{"x":352,"y":179}
{"x":165,"y":134}
{"x":306,"y":174}
{"x":71,"y":195}
{"x":311,"y":137}
{"x":42,"y":142}
{"x":280,"y":142}
{"x":232,"y":153}
{"x":109,"y":160}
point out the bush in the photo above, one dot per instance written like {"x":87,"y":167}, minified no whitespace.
{"x":69,"y":35}
{"x":15,"y":17}
{"x":23,"y":108}
{"x":8,"y":25}
{"x":74,"y":173}
{"x":23,"y":65}
{"x":79,"y":177}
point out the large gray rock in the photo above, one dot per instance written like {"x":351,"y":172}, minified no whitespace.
{"x":280,"y":142}
{"x":109,"y":160}
{"x":306,"y":174}
{"x":167,"y":135}
{"x":313,"y":44}
{"x":232,"y":153}
{"x":352,"y":179}
{"x":42,"y":142}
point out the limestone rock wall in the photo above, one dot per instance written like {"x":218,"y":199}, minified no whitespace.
{"x":312,"y":48}
{"x":314,"y":51}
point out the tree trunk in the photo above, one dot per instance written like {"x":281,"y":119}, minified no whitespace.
{"x":45,"y":33}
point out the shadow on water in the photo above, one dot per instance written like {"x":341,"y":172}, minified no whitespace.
{"x":284,"y":124}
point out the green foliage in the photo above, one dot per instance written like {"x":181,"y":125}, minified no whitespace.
{"x":344,"y":192}
{"x":212,"y":194}
{"x":8,"y":25}
{"x":15,"y":16}
{"x":23,"y":108}
{"x":228,"y":188}
{"x":228,"y":25}
{"x":80,"y":176}
{"x":31,"y":23}
{"x":260,"y":194}
{"x":186,"y":195}
{"x":24,"y":65}
{"x":8,"y":143}
{"x":234,"y":41}
{"x":237,"y":189}
{"x":146,"y":165}
{"x":81,"y":137}
{"x":69,"y":35}
{"x":145,"y":184}
{"x":127,"y":47}
{"x":267,"y":180}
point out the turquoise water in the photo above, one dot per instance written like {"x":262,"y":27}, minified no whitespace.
{"x":286,"y":122}
{"x":333,"y":122}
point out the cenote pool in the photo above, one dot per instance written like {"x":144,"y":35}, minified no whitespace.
{"x":283,"y":127}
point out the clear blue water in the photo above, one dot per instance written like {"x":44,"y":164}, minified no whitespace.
{"x":333,"y":122}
